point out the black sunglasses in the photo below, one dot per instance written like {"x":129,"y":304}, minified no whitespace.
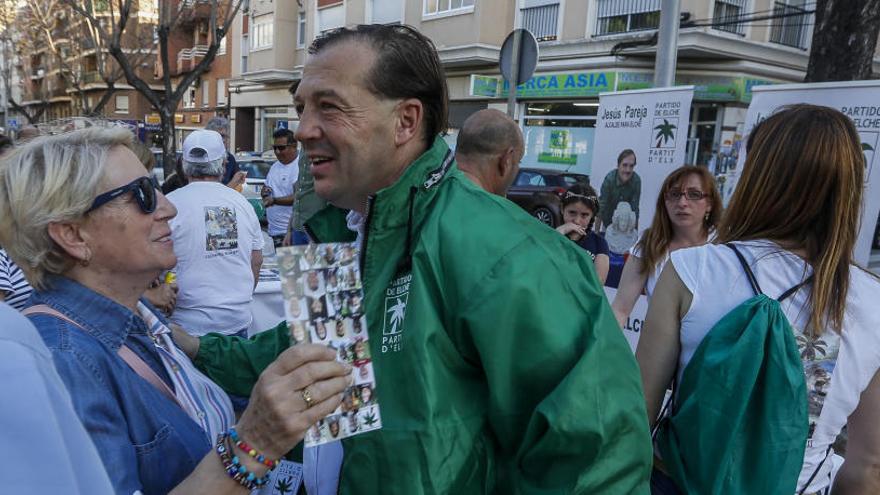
{"x":144,"y":189}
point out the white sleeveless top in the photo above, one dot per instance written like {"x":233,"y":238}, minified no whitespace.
{"x":838,"y":367}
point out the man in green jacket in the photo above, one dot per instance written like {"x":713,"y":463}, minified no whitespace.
{"x":620,"y":185}
{"x":498,"y":363}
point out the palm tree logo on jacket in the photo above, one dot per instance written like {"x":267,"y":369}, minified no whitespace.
{"x":396,"y":314}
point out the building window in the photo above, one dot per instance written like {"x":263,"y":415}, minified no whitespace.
{"x":331,"y":18}
{"x":385,"y":12}
{"x":206,"y":93}
{"x":540,"y":17}
{"x":221,"y":50}
{"x":121,"y":104}
{"x":244,"y":53}
{"x":189,"y":97}
{"x":221,"y":92}
{"x":790,"y":24}
{"x":447,"y":6}
{"x":728,"y":16}
{"x":621,"y":16}
{"x":263,"y":32}
{"x":301,"y":30}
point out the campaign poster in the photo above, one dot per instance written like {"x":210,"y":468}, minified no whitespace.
{"x":860,"y":101}
{"x":324,"y":299}
{"x":641,"y":136}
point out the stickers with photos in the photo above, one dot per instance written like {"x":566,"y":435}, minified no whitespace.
{"x":324,"y":305}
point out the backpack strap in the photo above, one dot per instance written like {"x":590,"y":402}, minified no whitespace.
{"x":125,"y":353}
{"x":749,"y":274}
{"x":794,"y":289}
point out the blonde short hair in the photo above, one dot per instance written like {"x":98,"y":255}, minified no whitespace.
{"x":51,"y":179}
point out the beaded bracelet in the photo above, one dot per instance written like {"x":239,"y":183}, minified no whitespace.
{"x":271,"y":464}
{"x":234,"y":468}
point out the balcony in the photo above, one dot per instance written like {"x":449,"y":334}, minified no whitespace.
{"x":193,"y":10}
{"x":790,"y":26}
{"x":188,"y":58}
{"x":541,"y":21}
{"x":92,"y":77}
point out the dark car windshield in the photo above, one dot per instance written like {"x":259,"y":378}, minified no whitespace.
{"x":572,"y":179}
{"x":256,"y":169}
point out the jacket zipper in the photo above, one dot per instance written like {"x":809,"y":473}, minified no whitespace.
{"x":368,"y":216}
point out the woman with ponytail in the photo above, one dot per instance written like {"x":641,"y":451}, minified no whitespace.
{"x":793,"y":222}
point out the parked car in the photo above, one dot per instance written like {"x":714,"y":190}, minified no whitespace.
{"x":257,"y":168}
{"x":158,"y":172}
{"x":539,"y":191}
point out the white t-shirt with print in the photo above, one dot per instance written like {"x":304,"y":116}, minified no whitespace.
{"x":282,"y":179}
{"x":214,"y":232}
{"x":838,"y":367}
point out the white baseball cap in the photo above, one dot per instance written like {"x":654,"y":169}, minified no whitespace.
{"x":203,"y":146}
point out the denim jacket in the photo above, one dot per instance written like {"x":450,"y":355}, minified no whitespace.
{"x":146,"y":441}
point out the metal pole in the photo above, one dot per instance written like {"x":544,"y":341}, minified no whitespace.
{"x":514,"y":69}
{"x":667,"y":44}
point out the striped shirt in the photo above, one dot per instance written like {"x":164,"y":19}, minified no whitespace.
{"x":205,"y":402}
{"x":16,"y":289}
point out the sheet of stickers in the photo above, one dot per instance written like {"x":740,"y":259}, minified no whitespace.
{"x":324,"y":305}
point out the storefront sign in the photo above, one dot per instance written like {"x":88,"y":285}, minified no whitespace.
{"x":589,"y":84}
{"x":860,"y":101}
{"x":706,"y":87}
{"x":647,"y":130}
{"x":553,"y":85}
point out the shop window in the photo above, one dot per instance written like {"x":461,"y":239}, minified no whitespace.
{"x":622,"y":16}
{"x":560,"y":135}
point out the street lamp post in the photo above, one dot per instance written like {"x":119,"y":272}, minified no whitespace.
{"x":667,"y":44}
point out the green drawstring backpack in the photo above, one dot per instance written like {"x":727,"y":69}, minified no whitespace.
{"x":739,"y":420}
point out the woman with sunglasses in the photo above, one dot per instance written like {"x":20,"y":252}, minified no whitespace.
{"x":688,"y":209}
{"x":580,"y":205}
{"x":91,"y":242}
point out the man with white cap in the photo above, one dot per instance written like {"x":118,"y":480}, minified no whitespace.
{"x":218,"y":243}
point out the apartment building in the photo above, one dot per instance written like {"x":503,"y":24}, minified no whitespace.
{"x":188,"y":43}
{"x":726,"y":47}
{"x":72,"y":80}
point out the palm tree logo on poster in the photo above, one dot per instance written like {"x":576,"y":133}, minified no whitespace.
{"x":665,"y":132}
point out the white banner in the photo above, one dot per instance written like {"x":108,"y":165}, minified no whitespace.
{"x":860,"y":100}
{"x":647,"y":130}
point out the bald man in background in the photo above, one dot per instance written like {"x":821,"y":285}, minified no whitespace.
{"x":489,"y":149}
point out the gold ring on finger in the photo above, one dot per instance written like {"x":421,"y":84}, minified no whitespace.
{"x":307,"y":397}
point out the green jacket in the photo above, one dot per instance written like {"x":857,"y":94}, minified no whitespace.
{"x":613,"y":192}
{"x":306,"y":203}
{"x":499,"y":365}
